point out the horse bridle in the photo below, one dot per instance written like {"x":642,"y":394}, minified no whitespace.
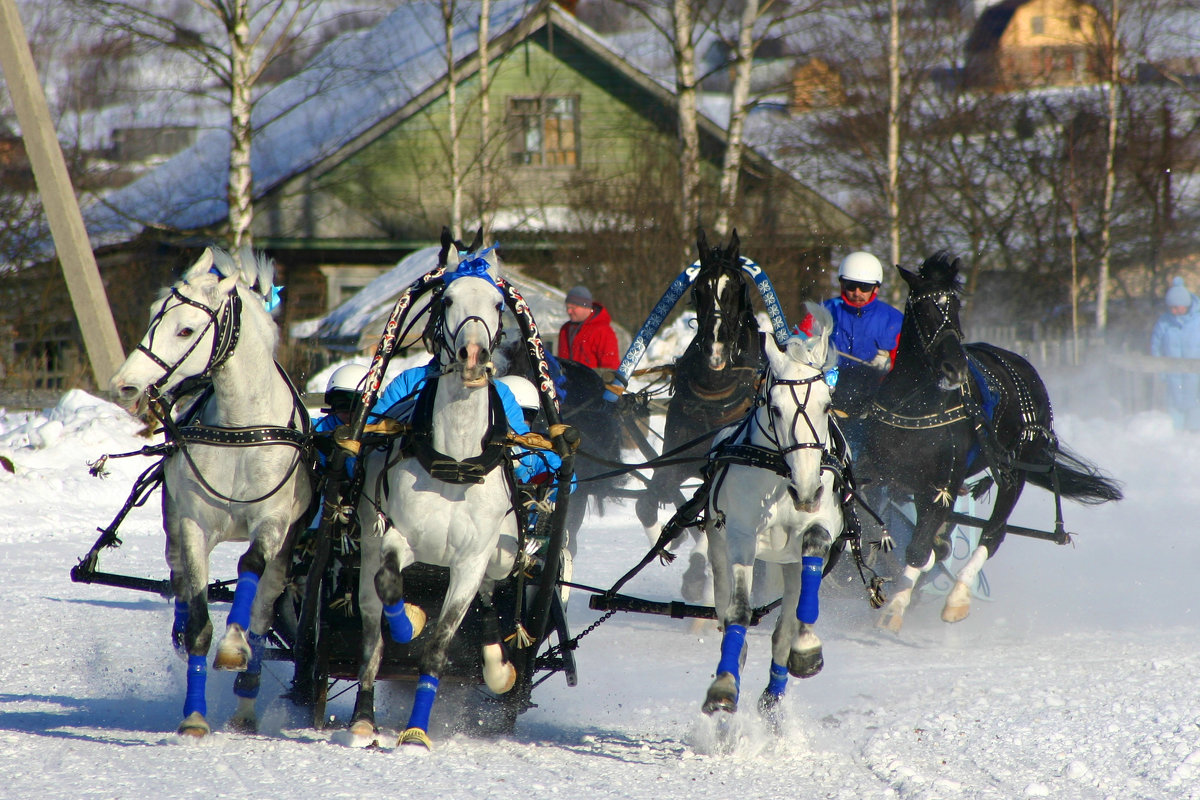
{"x":715,"y":311}
{"x":226,"y":320}
{"x":942,"y":299}
{"x":436,"y":335}
{"x":801,"y":411}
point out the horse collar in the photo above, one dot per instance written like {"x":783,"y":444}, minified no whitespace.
{"x":441,"y":466}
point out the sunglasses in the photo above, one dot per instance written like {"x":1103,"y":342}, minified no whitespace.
{"x":857,"y":286}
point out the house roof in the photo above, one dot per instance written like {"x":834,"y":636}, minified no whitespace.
{"x":991,"y":24}
{"x":357,"y":87}
{"x":357,"y":324}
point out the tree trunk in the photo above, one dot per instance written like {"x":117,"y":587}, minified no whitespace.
{"x":738,"y":109}
{"x":485,"y":112}
{"x":689,"y":131}
{"x":893,"y":132}
{"x":1110,"y":173}
{"x":241,"y":183}
{"x":452,"y":106}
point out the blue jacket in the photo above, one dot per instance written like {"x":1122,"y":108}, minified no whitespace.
{"x":1179,"y":337}
{"x":861,"y":332}
{"x":399,"y":396}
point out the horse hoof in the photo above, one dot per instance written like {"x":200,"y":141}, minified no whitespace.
{"x":722,"y":695}
{"x":891,"y":622}
{"x":195,"y":726}
{"x":362,"y":730}
{"x":768,"y":703}
{"x":233,"y":654}
{"x":805,"y":664}
{"x":414,"y":738}
{"x":958,"y":603}
{"x":240,"y":723}
{"x":499,"y":675}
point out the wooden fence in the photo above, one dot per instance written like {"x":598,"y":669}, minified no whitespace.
{"x":1113,"y":376}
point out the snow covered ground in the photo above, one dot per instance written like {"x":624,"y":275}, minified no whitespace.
{"x":1079,"y":679}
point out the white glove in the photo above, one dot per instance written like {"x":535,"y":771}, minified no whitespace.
{"x":882,"y":361}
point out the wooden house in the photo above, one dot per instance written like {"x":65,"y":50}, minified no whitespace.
{"x":575,"y":174}
{"x":1018,"y":44}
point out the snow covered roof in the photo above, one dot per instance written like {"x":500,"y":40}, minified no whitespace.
{"x":351,"y":85}
{"x":357,"y":324}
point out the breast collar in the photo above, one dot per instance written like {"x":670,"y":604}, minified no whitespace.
{"x":441,"y":466}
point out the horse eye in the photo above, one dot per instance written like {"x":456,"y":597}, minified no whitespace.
{"x":185,"y":333}
{"x":449,"y":301}
{"x":499,"y":306}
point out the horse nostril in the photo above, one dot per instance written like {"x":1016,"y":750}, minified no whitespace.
{"x":128,"y":393}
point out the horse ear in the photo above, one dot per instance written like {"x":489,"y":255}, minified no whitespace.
{"x":203,"y":264}
{"x":227,"y":285}
{"x":478,"y":243}
{"x":909,"y":277}
{"x":701,"y":243}
{"x":735,"y":245}
{"x":776,"y":357}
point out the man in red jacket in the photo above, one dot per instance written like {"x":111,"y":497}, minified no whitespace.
{"x":588,"y":336}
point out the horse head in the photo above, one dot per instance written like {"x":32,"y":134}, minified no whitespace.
{"x":196,"y":325}
{"x":471,"y":311}
{"x":721,"y":298}
{"x":797,"y":402}
{"x":931,"y":314}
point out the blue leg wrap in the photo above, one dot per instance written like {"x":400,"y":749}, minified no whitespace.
{"x":243,"y":599}
{"x":427,"y":688}
{"x":399,"y":625}
{"x":197,"y":675}
{"x":810,"y":586}
{"x":777,"y":685}
{"x":731,"y":650}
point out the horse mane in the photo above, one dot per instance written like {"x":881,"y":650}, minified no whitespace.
{"x":942,"y":269}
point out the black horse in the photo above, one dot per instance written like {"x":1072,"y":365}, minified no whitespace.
{"x":713,"y":385}
{"x":948,"y":411}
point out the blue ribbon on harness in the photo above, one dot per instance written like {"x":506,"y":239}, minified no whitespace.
{"x":475,"y":267}
{"x":988,"y":400}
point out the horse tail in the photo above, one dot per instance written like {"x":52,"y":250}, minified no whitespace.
{"x":1077,"y":480}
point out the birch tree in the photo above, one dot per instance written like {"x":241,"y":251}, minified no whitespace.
{"x":234,"y":43}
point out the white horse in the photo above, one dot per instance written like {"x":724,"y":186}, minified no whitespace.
{"x":238,"y":472}
{"x":773,"y":499}
{"x":464,"y":523}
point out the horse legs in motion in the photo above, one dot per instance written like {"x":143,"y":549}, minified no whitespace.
{"x":213,"y":327}
{"x":755,"y":513}
{"x":460,"y":519}
{"x":948,"y":411}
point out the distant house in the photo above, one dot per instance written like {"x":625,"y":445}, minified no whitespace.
{"x":1018,"y":44}
{"x":351,"y":169}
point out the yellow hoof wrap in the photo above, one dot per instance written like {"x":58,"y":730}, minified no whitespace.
{"x":416,"y":615}
{"x":414,"y":737}
{"x":195,"y":725}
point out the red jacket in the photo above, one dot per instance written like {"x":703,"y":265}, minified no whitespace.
{"x":591,"y":342}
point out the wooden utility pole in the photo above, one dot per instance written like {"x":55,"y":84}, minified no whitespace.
{"x":58,"y":198}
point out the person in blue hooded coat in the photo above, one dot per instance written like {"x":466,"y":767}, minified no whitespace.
{"x":1177,"y":335}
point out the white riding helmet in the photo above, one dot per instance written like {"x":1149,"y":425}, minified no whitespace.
{"x":862,"y":267}
{"x":524,"y":391}
{"x":348,"y":377}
